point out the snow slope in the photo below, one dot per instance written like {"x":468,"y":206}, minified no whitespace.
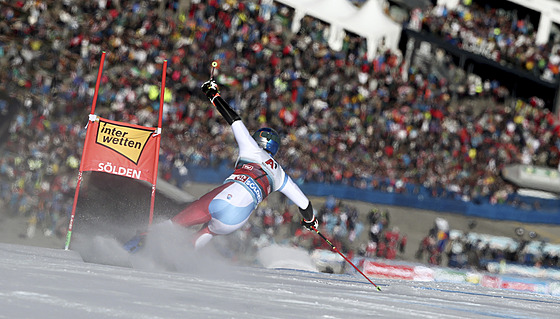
{"x":54,"y":283}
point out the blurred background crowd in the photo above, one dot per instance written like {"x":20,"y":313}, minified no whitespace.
{"x":503,"y":35}
{"x":344,"y":119}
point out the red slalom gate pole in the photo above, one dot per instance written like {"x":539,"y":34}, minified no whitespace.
{"x":341,"y":254}
{"x":77,"y":191}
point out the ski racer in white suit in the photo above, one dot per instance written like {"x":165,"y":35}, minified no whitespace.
{"x":257,"y":174}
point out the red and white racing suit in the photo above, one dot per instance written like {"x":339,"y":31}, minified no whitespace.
{"x":227,"y":207}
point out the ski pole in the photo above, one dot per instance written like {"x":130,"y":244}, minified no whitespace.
{"x":338,"y":251}
{"x":214,"y":66}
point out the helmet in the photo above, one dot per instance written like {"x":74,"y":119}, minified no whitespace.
{"x":268,"y":139}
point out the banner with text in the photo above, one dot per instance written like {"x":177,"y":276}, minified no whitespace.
{"x":121,"y":149}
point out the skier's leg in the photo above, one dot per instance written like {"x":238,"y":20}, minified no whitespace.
{"x":202,"y":237}
{"x":230,"y":209}
{"x":194,"y":214}
{"x":197,"y":212}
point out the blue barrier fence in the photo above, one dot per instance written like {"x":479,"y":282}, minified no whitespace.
{"x":547,"y":213}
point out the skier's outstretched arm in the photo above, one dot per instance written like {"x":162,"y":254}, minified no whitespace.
{"x":212,"y":92}
{"x":240,"y":131}
{"x":294,"y":193}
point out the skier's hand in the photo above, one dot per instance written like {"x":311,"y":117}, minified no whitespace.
{"x":310,"y":224}
{"x":210,"y":88}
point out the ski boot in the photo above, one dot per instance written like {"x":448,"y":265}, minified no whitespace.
{"x":137,"y":242}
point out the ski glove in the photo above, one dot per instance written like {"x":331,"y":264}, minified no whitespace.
{"x":309,"y":224}
{"x":210,"y":88}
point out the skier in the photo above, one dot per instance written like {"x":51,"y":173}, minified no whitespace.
{"x":228,"y":207}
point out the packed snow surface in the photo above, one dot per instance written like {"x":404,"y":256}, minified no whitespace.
{"x":103,"y":281}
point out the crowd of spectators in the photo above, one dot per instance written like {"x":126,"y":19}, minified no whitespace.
{"x":497,"y":34}
{"x":470,"y":250}
{"x":343,"y":119}
{"x":433,"y":246}
{"x":383,"y":242}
